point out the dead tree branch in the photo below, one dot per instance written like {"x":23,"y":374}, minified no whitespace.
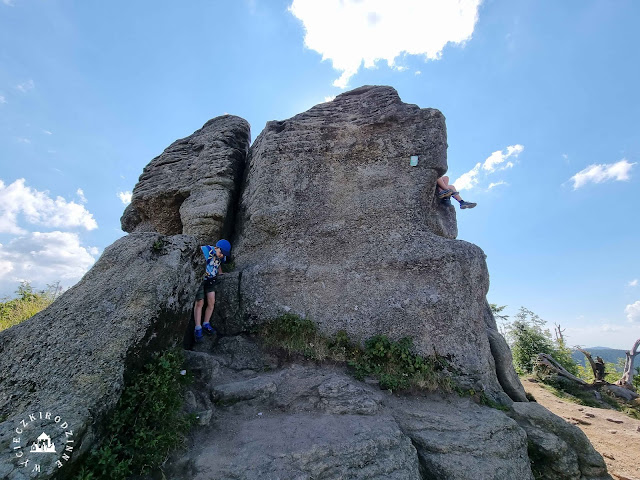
{"x":559,"y":333}
{"x":627,"y":375}
{"x":594,"y":367}
{"x":547,"y":361}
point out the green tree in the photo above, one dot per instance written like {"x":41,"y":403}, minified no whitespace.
{"x":528,"y":336}
{"x":497,"y":311}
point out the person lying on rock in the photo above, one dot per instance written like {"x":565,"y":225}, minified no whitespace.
{"x":445,"y":191}
{"x":215,"y":256}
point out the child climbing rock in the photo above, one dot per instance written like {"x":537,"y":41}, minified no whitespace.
{"x":215,"y":256}
{"x":445,"y":191}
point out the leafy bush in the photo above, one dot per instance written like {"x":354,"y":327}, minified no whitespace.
{"x":562,"y":354}
{"x":145,"y":425}
{"x":529,"y":343}
{"x":397,"y":368}
{"x":27,"y":304}
{"x":527,"y":337}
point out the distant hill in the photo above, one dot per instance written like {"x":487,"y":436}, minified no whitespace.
{"x":609,"y":355}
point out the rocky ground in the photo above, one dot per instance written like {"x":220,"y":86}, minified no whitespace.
{"x":614,"y":435}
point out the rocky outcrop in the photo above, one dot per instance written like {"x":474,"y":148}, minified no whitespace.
{"x":316,"y":422}
{"x":71,"y":359}
{"x":560,"y":450}
{"x":266,"y":420}
{"x":337,"y":226}
{"x":191,"y":187}
{"x":330,"y":221}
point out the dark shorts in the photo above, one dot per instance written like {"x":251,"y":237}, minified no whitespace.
{"x":206,"y":286}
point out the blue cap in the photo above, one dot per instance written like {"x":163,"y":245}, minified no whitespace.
{"x":225,"y":246}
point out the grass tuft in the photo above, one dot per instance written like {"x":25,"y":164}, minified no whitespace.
{"x":392,"y":363}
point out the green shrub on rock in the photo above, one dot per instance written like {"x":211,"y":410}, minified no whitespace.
{"x":392,"y":363}
{"x":145,"y":425}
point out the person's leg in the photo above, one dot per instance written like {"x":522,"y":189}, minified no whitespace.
{"x":211,"y":300}
{"x":444,"y":189}
{"x":197,"y":311}
{"x":443,"y":183}
{"x":457,"y":196}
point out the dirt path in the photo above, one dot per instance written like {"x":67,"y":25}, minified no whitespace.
{"x":618,"y":441}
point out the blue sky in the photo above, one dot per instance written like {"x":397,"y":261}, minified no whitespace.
{"x":541,"y":101}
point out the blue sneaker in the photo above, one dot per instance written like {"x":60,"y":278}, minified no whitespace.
{"x":464,"y":205}
{"x":197,"y":335}
{"x":208,"y":329}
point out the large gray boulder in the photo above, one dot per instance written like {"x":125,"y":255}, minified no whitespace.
{"x":317,"y":422}
{"x":561,"y":450}
{"x":191,"y":187}
{"x":337,"y":226}
{"x":71,"y":359}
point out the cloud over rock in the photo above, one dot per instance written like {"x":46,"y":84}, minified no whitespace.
{"x":350,"y":32}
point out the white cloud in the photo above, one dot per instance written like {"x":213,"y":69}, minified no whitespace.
{"x":633,"y":283}
{"x":353,"y":32}
{"x":80,"y":194}
{"x":26,"y":86}
{"x":601,"y":173}
{"x":2,"y":99}
{"x":23,"y":140}
{"x":47,"y":132}
{"x":498,"y":157}
{"x":466,"y":181}
{"x":8,"y":2}
{"x":418,"y":72}
{"x":633,"y":311}
{"x":39,"y":208}
{"x":43,"y":258}
{"x":497,"y":184}
{"x":125,"y":197}
{"x":329,"y":99}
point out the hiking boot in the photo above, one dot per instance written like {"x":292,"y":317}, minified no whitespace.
{"x":208,"y":329}
{"x":197,"y":335}
{"x":445,"y":193}
{"x":464,"y":205}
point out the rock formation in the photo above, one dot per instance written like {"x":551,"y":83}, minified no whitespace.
{"x":328,"y":220}
{"x":335,"y":225}
{"x":190,"y":188}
